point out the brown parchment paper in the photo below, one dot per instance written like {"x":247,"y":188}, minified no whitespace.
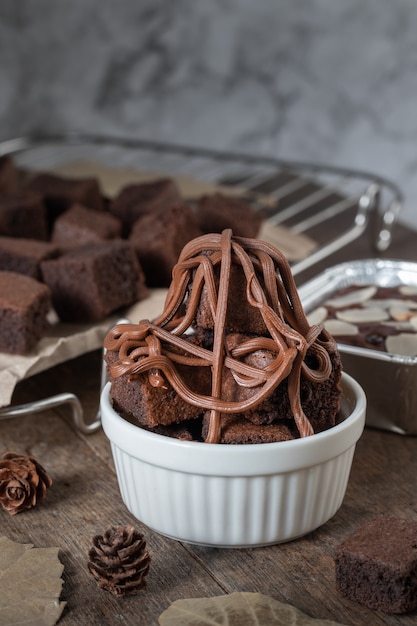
{"x":68,"y":341}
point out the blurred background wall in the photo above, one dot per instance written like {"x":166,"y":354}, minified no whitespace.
{"x":332,"y":81}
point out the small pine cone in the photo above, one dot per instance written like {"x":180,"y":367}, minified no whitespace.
{"x":119,"y":561}
{"x":23,"y":482}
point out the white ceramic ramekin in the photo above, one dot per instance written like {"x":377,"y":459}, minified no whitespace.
{"x":235,"y":495}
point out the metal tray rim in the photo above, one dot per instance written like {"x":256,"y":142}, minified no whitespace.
{"x":366,"y":271}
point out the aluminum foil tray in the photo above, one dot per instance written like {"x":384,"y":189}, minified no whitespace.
{"x":389,"y":380}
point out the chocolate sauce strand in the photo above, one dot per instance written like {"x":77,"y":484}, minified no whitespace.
{"x":208,"y":402}
{"x":158,"y":349}
{"x":219,"y":334}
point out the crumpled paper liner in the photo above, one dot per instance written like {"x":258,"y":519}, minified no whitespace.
{"x":67,"y":341}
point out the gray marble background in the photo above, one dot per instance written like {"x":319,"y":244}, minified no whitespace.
{"x":332,"y":81}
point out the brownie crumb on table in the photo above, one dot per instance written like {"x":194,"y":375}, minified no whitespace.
{"x":24,"y":306}
{"x":377,"y":565}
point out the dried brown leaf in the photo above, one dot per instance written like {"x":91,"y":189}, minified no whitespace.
{"x":30,"y":582}
{"x":240,"y":608}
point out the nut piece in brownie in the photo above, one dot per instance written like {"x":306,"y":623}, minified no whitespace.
{"x":136,"y":199}
{"x":158,"y":238}
{"x":377,"y":565}
{"x":90,"y":282}
{"x":24,"y":306}
{"x":59,"y":193}
{"x":79,"y":225}
{"x":24,"y":256}
{"x":23,"y":214}
{"x":9,"y":178}
{"x":217,"y":211}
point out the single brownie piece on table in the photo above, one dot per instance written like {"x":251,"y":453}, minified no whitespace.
{"x":59,"y":193}
{"x":90,"y":282}
{"x":80,"y":225}
{"x":217,"y":211}
{"x":136,"y":199}
{"x":24,"y":256}
{"x":158,"y":239}
{"x":23,"y":215}
{"x":24,"y":306}
{"x":377,"y":565}
{"x":9,"y":178}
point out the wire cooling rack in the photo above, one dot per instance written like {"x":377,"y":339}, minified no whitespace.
{"x":333,"y":206}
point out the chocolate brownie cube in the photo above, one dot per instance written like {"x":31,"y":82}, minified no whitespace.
{"x":137,"y":199}
{"x":9,"y":178}
{"x":23,"y":215}
{"x":377,"y":565}
{"x":90,"y":282}
{"x":151,"y":407}
{"x":24,"y":256}
{"x":24,"y":306}
{"x":59,"y":193}
{"x":158,"y":239}
{"x":242,"y":317}
{"x":235,"y":429}
{"x":79,"y":225}
{"x":217,"y":212}
{"x":272,"y":418}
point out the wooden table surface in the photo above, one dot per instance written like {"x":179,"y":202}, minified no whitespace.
{"x":84,"y":500}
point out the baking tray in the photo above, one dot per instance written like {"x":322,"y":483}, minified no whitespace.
{"x":332,"y":206}
{"x":389,"y":380}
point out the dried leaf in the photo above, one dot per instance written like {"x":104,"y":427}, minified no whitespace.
{"x":30,"y":582}
{"x":243,"y":608}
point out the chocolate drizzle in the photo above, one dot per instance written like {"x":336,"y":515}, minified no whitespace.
{"x":158,"y":347}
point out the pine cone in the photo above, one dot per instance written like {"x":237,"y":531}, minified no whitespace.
{"x":119,"y":561}
{"x":23,"y":482}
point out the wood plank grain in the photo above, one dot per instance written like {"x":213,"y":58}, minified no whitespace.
{"x":83,"y":501}
{"x":302,"y":572}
